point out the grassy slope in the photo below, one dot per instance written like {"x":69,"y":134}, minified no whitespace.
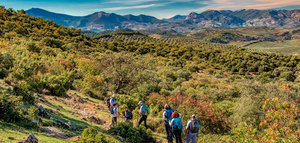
{"x":63,"y":108}
{"x":18,"y":134}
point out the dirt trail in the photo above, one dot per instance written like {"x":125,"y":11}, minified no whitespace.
{"x":86,"y":109}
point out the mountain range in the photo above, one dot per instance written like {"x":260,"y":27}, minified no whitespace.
{"x":100,"y":21}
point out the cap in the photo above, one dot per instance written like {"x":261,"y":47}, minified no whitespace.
{"x":114,"y":95}
{"x":194,"y":116}
{"x":141,"y":102}
{"x":166,"y":106}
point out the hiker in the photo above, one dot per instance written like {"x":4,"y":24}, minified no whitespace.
{"x":113,"y":100}
{"x":167,"y":118}
{"x":128,"y":115}
{"x":107,"y":99}
{"x":144,"y":111}
{"x":176,"y":125}
{"x":192,"y":130}
{"x":114,"y":112}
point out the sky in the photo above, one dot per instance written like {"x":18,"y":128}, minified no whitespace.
{"x":157,"y":8}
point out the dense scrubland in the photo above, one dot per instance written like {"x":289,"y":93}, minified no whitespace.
{"x":238,"y":95}
{"x":259,"y":39}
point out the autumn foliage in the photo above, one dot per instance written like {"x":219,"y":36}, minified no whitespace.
{"x":210,"y":119}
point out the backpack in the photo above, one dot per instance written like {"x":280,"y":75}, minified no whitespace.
{"x":108,"y":101}
{"x":112,"y":110}
{"x":128,"y":114}
{"x":147,"y":110}
{"x":177,"y":124}
{"x":193,"y":127}
{"x":169,"y":114}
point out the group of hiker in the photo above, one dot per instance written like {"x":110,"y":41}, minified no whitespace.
{"x":174,"y":127}
{"x":143,"y":111}
{"x":171,"y":120}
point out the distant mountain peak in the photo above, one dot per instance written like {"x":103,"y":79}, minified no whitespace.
{"x":34,"y":8}
{"x":208,"y":19}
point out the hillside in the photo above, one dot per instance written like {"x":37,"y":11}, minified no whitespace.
{"x":263,"y":39}
{"x":101,"y":21}
{"x":237,"y":95}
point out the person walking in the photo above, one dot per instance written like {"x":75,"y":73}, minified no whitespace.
{"x":128,"y":115}
{"x":167,"y":118}
{"x":113,"y":100}
{"x":114,"y":112}
{"x":192,"y":130}
{"x":107,"y":99}
{"x":176,"y":125}
{"x":144,"y":111}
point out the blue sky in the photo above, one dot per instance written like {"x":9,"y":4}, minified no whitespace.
{"x":157,"y":8}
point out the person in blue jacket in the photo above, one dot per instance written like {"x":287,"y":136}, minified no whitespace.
{"x":176,"y":125}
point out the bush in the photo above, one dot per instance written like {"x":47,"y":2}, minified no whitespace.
{"x":59,"y":84}
{"x":211,"y":120}
{"x":91,"y":135}
{"x":279,"y":123}
{"x":51,"y":42}
{"x":22,"y":89}
{"x":32,"y":47}
{"x":244,"y":133}
{"x":6,"y":62}
{"x":129,"y":101}
{"x":288,"y":75}
{"x":92,"y":85}
{"x":131,"y":134}
{"x":8,"y":112}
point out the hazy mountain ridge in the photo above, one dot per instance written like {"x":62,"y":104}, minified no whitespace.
{"x":244,"y":18}
{"x":100,"y":21}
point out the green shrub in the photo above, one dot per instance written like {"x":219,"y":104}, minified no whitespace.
{"x":14,"y":110}
{"x":130,"y":101}
{"x":244,"y":133}
{"x":131,"y":134}
{"x":22,"y":89}
{"x":59,"y":84}
{"x":8,"y":112}
{"x":288,"y":75}
{"x":91,"y":135}
{"x":94,"y":86}
{"x":48,"y":51}
{"x":6,"y":62}
{"x":32,"y":47}
{"x":51,"y":42}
